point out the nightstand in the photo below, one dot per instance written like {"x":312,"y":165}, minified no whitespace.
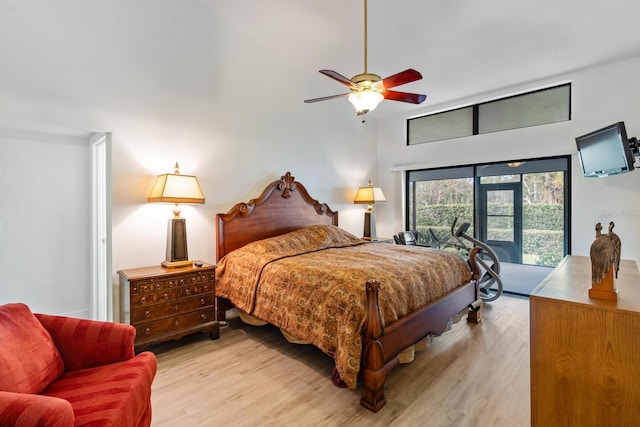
{"x":168,"y":303}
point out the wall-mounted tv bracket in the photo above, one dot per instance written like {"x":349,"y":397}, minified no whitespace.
{"x":634,"y":145}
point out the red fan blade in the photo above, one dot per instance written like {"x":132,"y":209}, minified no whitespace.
{"x":403,"y":77}
{"x":326,"y":98}
{"x":413,"y":98}
{"x":337,"y":76}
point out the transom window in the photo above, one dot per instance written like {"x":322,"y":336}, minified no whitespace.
{"x":539,"y":107}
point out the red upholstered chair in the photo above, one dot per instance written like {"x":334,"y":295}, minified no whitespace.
{"x":62,"y":371}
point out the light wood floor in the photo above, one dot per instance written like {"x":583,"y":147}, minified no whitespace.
{"x":473,"y":375}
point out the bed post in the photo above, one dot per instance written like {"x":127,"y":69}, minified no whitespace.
{"x":473,"y":316}
{"x":373,"y":368}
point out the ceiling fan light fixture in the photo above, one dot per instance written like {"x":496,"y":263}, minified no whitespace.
{"x":368,"y":89}
{"x":365,"y":100}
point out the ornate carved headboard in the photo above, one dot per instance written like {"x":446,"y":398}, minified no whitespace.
{"x":283,"y":206}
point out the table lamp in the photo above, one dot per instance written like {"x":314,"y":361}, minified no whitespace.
{"x":176,"y":188}
{"x":368,"y":196}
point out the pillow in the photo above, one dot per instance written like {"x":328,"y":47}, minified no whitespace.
{"x":29,"y":359}
{"x":307,"y":239}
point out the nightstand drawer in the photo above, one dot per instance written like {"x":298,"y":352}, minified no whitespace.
{"x":159,"y":311}
{"x":169,"y":325}
{"x":190,"y":279}
{"x":147,"y":286}
{"x":150,"y":299}
{"x":189,"y":291}
{"x":201,"y":277}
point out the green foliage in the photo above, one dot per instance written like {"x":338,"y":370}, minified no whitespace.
{"x":541,"y":216}
{"x":535,"y":216}
{"x":443,"y":215}
{"x":542,"y":226}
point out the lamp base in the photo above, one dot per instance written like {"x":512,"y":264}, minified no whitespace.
{"x":176,"y":264}
{"x":370,"y":226}
{"x":176,"y":255}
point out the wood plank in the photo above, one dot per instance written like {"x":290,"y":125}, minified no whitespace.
{"x":473,"y":375}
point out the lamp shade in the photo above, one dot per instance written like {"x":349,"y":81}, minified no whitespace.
{"x":176,"y":188}
{"x":369,"y":195}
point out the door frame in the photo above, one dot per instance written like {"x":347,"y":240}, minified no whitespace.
{"x":482,"y":214}
{"x":101,"y":264}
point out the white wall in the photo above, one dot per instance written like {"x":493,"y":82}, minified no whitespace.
{"x":44,"y":220}
{"x":173,"y":82}
{"x":600,"y":96}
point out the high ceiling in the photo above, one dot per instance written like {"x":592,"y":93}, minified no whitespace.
{"x":461,"y":47}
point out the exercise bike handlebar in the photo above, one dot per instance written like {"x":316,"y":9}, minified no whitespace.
{"x":491,"y":277}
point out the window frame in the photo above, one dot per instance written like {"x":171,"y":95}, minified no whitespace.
{"x":475,"y":115}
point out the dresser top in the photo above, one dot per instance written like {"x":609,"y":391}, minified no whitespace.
{"x":571,"y":280}
{"x":158,"y":270}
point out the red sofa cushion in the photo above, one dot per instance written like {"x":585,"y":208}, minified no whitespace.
{"x":29,"y":360}
{"x":31,"y":410}
{"x":109,"y":395}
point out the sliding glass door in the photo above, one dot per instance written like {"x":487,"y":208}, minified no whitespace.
{"x":521,"y":209}
{"x":437,"y":198}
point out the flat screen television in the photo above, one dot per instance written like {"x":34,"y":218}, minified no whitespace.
{"x":605,"y":151}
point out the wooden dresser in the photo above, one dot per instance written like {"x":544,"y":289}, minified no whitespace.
{"x":166,"y":304}
{"x":585,"y":352}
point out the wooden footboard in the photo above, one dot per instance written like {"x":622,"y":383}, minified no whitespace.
{"x":381,"y":344}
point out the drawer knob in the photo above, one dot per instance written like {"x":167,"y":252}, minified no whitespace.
{"x":145,"y":288}
{"x":203,"y":316}
{"x":147,"y":313}
{"x":166,"y":295}
{"x":147,"y":331}
{"x":202,"y":301}
{"x":143,"y":300}
{"x":187,"y":291}
{"x":181,"y":281}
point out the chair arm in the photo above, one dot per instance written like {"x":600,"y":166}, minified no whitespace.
{"x":33,"y":410}
{"x":86,"y":343}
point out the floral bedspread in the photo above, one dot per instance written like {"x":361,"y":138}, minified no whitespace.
{"x":311,"y":284}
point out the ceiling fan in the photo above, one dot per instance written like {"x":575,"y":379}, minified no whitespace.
{"x":368,"y":90}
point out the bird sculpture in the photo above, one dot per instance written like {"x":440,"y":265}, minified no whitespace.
{"x":601,"y":254}
{"x":617,"y":247}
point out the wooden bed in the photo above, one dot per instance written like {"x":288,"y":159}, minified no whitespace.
{"x":285,"y":206}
